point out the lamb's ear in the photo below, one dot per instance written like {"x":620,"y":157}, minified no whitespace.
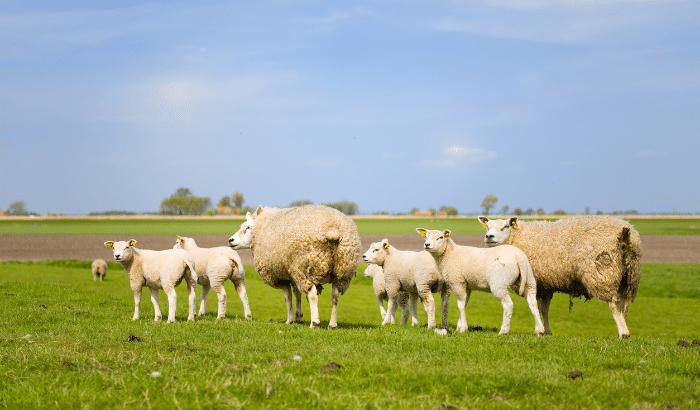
{"x":421,"y":231}
{"x":513,"y":222}
{"x":447,"y":233}
{"x":179,"y":238}
{"x":109,"y":244}
{"x":385,"y":244}
{"x":132,"y":242}
{"x":484,"y":220}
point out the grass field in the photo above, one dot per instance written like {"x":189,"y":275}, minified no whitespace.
{"x":203,"y":226}
{"x":64,"y":343}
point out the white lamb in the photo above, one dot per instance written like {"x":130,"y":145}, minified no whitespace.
{"x":494,"y":270}
{"x":412,"y":272}
{"x":156,"y":270}
{"x":376,"y":272}
{"x":591,"y":256}
{"x":99,"y":269}
{"x":214,"y":266}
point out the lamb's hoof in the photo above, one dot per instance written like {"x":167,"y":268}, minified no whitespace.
{"x":249,"y":316}
{"x":625,"y":336}
{"x":332,"y":325}
{"x":157,"y":319}
{"x":200,"y":314}
{"x":221,"y":317}
{"x":461,"y":329}
{"x":171,"y":321}
{"x":315,"y":324}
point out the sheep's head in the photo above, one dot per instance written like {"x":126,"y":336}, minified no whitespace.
{"x":372,"y":269}
{"x":498,"y":230}
{"x":377,"y":252}
{"x":435,"y":241}
{"x":122,"y":250}
{"x":243,"y":238}
{"x":183,"y":243}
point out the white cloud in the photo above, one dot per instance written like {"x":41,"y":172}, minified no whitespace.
{"x":456,"y":155}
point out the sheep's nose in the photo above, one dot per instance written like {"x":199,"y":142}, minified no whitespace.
{"x":491,"y":236}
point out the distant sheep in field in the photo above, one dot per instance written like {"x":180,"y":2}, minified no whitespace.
{"x":591,"y":256}
{"x":376,"y":272}
{"x":302,"y":248}
{"x":99,"y":269}
{"x":215,"y":266}
{"x":156,"y":270}
{"x":466,"y":268}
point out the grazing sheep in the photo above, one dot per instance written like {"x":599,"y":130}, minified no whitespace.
{"x":99,"y":269}
{"x":156,"y":270}
{"x":412,"y":272}
{"x":376,"y":272}
{"x":302,"y":248}
{"x":591,"y":256}
{"x":214,"y":267}
{"x":466,"y":268}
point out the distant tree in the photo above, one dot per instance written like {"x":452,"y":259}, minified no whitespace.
{"x":225,"y":201}
{"x":530,"y":211}
{"x":517,"y":211}
{"x":505,"y":209}
{"x":182,"y":202}
{"x":18,"y":208}
{"x":183,"y":192}
{"x":432,"y":211}
{"x":599,"y":212}
{"x":413,"y":211}
{"x":488,"y":203}
{"x":300,"y":203}
{"x":237,"y":200}
{"x":541,"y":211}
{"x":588,"y":210}
{"x":450,"y":210}
{"x":559,"y":212}
{"x":246,"y":209}
{"x":346,"y":207}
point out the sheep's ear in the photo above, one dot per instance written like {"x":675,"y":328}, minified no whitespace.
{"x":132,"y":242}
{"x":259,"y":210}
{"x":421,"y":231}
{"x":385,"y":244}
{"x":109,"y":244}
{"x":484,"y":220}
{"x":179,"y":238}
{"x":447,"y":233}
{"x":513,"y":222}
{"x":248,"y":217}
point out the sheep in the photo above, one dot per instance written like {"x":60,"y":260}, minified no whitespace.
{"x":302,"y":248}
{"x":412,"y":272}
{"x":214,"y":267}
{"x":376,"y":272}
{"x":466,"y":268}
{"x":156,"y":270}
{"x":591,"y":256}
{"x":99,"y":269}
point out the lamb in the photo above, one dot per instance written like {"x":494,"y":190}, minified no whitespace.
{"x":466,"y":268}
{"x":99,"y":269}
{"x":156,"y":270}
{"x":412,"y":272}
{"x":591,"y":256}
{"x":214,"y":267}
{"x":376,"y":272}
{"x":302,"y":248}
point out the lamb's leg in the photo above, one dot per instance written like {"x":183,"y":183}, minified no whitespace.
{"x":380,"y":301}
{"x":335,"y":295}
{"x":313,"y":306}
{"x":622,"y":331}
{"x":404,"y":304}
{"x":531,"y":297}
{"x":156,"y":305}
{"x":413,"y":306}
{"x":288,"y":300}
{"x":429,"y":305}
{"x":445,"y":304}
{"x":240,"y":288}
{"x":191,"y":298}
{"x":299,"y":316}
{"x":203,"y":298}
{"x":222,"y":298}
{"x":137,"y":301}
{"x":462,"y":295}
{"x":504,"y":297}
{"x":172,"y":301}
{"x":390,"y":317}
{"x":543,"y":302}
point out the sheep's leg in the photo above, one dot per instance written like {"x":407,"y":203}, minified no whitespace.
{"x":380,"y":301}
{"x":445,"y":304}
{"x":413,"y":306}
{"x":507,"y":303}
{"x":218,"y":288}
{"x":313,"y":305}
{"x":203,"y":298}
{"x":404,"y":304}
{"x":288,"y":299}
{"x":240,"y":288}
{"x":137,"y":301}
{"x":299,"y":317}
{"x":531,"y":297}
{"x":335,"y":295}
{"x":156,"y":305}
{"x":462,"y":296}
{"x":172,"y":302}
{"x":543,"y":302}
{"x":623,"y":332}
{"x":429,"y":305}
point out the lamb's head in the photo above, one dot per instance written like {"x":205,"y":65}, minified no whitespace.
{"x":371,"y":269}
{"x":183,"y":243}
{"x":498,"y":230}
{"x":243,"y":238}
{"x":377,"y":252}
{"x":122,"y":250}
{"x":435,"y":241}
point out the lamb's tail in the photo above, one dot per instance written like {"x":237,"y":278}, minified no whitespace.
{"x":189,"y":262}
{"x":630,"y":246}
{"x":237,"y":263}
{"x":526,"y":275}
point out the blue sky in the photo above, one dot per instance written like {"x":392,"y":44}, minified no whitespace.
{"x":389,"y":104}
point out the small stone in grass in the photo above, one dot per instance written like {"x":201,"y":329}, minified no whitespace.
{"x":576,"y":374}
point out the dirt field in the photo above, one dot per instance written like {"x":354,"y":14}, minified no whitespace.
{"x":676,"y":249}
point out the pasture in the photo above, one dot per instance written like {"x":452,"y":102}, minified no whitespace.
{"x":68,"y":342}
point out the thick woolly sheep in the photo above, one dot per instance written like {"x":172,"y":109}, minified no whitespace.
{"x":99,"y":269}
{"x":466,"y":268}
{"x":412,"y":272}
{"x":214,"y":266}
{"x":302,"y":248}
{"x":156,"y":270}
{"x":376,"y":272}
{"x":591,"y":256}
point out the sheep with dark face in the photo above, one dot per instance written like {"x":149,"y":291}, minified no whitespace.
{"x":302,"y":248}
{"x":591,"y":256}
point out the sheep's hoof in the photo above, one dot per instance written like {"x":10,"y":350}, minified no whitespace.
{"x":625,"y":336}
{"x":248,"y":316}
{"x":332,"y":325}
{"x":200,"y":314}
{"x":189,"y":319}
{"x":462,"y":329}
{"x":315,"y":324}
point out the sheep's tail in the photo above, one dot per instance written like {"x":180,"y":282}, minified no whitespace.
{"x":630,"y":246}
{"x":526,"y":275}
{"x":189,"y":262}
{"x":345,"y":258}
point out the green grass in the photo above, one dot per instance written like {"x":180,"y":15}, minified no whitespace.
{"x":77,"y":354}
{"x":207,"y":226}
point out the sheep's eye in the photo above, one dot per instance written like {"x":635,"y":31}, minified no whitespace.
{"x":505,"y":227}
{"x":439,"y":238}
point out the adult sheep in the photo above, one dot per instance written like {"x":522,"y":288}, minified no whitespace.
{"x":591,"y":256}
{"x":376,"y":272}
{"x":302,"y":248}
{"x":99,"y":269}
{"x":156,"y":270}
{"x":214,"y":267}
